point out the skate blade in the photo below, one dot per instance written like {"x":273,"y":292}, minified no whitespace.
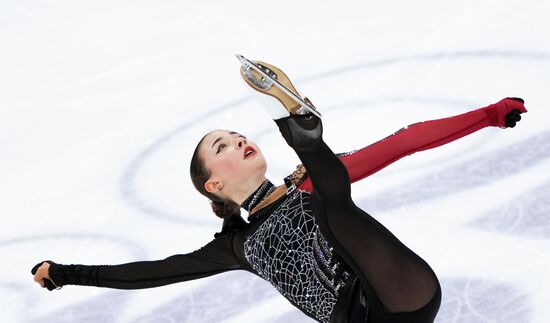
{"x":275,"y":83}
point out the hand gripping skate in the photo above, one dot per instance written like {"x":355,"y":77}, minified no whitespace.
{"x":268,"y":79}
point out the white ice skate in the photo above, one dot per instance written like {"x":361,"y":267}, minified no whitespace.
{"x":268,"y":79}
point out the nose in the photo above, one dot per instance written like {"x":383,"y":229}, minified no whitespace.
{"x":241,"y":142}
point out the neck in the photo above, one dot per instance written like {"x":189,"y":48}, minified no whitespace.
{"x":245,"y":190}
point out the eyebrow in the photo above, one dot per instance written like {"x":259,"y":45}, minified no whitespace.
{"x":220,"y":138}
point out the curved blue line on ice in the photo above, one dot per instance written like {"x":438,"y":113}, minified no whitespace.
{"x":127,"y":181}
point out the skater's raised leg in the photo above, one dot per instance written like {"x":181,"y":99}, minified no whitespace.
{"x":394,"y":278}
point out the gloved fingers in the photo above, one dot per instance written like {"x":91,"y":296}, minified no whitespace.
{"x":512,"y":118}
{"x":515,"y":118}
{"x":48,"y":284}
{"x":35,"y":268}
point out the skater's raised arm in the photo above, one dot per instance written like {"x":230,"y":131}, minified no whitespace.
{"x":214,"y":258}
{"x":427,"y":135}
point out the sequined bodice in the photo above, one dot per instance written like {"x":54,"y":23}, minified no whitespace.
{"x":289,"y":251}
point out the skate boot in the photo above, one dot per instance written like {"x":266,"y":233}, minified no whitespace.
{"x":270,"y":80}
{"x":299,"y":121}
{"x":506,"y":112}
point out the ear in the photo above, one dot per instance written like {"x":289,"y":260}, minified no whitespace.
{"x":213,"y":186}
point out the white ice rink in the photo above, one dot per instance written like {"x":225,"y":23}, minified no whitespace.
{"x":102,"y":103}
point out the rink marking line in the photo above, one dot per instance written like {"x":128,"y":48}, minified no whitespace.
{"x":131,"y":195}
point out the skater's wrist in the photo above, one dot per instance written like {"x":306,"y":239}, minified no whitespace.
{"x":57,"y":275}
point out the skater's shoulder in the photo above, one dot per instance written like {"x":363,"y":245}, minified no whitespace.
{"x":231,"y":224}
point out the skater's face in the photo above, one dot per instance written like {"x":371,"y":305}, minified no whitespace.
{"x":235,"y":163}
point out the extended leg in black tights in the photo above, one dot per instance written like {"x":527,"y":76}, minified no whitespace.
{"x":400,"y":286}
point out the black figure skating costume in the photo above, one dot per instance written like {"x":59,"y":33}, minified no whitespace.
{"x":329,"y":258}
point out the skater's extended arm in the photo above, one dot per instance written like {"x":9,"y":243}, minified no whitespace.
{"x":214,"y":258}
{"x":422,"y":136}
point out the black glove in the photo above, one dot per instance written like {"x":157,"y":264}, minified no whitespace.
{"x":512,"y":118}
{"x":514,"y":115}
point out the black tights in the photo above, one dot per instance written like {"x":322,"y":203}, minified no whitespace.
{"x":400,"y":286}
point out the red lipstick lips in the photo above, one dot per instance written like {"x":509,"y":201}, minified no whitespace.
{"x":249,"y":151}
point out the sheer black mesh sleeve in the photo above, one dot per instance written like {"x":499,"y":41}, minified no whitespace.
{"x":215,"y":257}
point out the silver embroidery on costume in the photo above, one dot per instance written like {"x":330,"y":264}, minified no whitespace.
{"x":289,"y":251}
{"x":340,"y":155}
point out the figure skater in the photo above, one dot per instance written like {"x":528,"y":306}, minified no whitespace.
{"x":329,"y":258}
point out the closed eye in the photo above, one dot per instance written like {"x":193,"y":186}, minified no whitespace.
{"x":220,"y":147}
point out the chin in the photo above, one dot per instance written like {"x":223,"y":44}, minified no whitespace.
{"x":260,"y":166}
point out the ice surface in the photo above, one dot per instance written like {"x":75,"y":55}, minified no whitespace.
{"x":102,"y":103}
